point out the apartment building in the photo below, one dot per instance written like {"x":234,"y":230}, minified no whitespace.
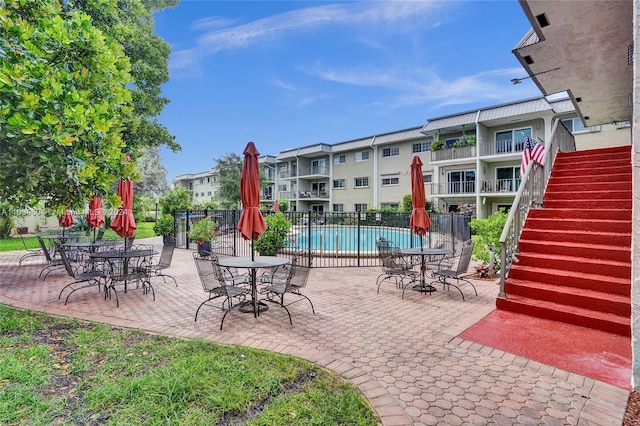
{"x":202,"y":186}
{"x":470,"y":159}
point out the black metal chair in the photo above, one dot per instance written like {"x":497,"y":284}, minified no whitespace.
{"x":393,"y":265}
{"x":295,"y":280}
{"x":53,"y":261}
{"x":81,"y":278}
{"x":157,"y":269}
{"x":216,"y":285}
{"x":456,"y":277}
{"x":30,"y":252}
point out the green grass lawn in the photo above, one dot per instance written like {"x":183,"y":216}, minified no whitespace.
{"x":143,"y":230}
{"x":66,"y":372}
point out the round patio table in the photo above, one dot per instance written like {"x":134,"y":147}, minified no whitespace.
{"x":253,"y":264}
{"x":423,"y":253}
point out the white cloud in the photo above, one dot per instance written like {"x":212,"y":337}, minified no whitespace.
{"x":364,"y":15}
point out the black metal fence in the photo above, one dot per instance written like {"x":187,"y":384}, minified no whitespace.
{"x":334,"y":239}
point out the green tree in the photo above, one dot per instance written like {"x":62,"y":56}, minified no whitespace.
{"x":176,"y":199}
{"x":63,"y":104}
{"x":406,"y":205}
{"x":229,"y":170}
{"x":131,"y":23}
{"x":153,"y":174}
{"x":488,"y":233}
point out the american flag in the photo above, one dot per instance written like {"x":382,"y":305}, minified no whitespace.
{"x":532,"y":151}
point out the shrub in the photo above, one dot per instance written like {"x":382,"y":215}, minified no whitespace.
{"x":272,"y":240}
{"x":488,"y":233}
{"x":164,"y":226}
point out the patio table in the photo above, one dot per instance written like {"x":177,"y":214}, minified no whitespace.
{"x":253,"y":264}
{"x":120,"y":269}
{"x":423,"y":253}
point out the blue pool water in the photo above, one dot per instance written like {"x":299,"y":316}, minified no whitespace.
{"x":346,"y":238}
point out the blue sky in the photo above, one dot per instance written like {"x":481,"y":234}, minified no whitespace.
{"x":293,"y":73}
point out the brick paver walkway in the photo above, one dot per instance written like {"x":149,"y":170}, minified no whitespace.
{"x":402,"y":354}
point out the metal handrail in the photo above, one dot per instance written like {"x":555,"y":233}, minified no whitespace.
{"x":530,"y":194}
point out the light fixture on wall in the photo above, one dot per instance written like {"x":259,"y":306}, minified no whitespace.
{"x":519,"y":80}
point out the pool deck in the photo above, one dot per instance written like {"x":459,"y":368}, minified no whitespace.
{"x":404,"y":355}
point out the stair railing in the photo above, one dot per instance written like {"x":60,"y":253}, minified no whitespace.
{"x":530,"y":195}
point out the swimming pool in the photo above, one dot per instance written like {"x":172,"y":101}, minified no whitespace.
{"x":344,"y":239}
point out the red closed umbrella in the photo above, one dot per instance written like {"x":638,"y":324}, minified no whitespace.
{"x":419,"y":221}
{"x":124,"y":223}
{"x":66,"y":220}
{"x":276,"y":207}
{"x":95,"y":217}
{"x":251,"y":223}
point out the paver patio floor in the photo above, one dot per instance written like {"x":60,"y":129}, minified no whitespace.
{"x":404,"y":355}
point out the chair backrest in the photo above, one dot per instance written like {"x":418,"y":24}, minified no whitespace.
{"x":65,"y":260}
{"x":465,"y":257}
{"x":298,"y":276}
{"x":167,"y":252}
{"x":45,"y":249}
{"x":206,"y":272}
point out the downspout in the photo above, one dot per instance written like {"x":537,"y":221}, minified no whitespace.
{"x":297,"y":181}
{"x":478,"y":168}
{"x":375,"y":172}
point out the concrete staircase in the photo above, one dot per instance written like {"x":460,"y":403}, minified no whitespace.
{"x":575,"y":253}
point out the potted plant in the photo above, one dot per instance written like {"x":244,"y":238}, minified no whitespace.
{"x":272,"y":240}
{"x":204,"y":232}
{"x":164,"y":226}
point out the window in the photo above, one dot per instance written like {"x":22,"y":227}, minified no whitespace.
{"x":202,"y":194}
{"x":575,"y":125}
{"x":208,"y":180}
{"x":420,"y":147}
{"x":339,"y":183}
{"x":427,"y":178}
{"x":201,"y":180}
{"x":507,"y":178}
{"x":511,"y":140}
{"x":209,"y":193}
{"x":361,"y":207}
{"x":461,"y":181}
{"x":362,"y":155}
{"x":390,"y":205}
{"x":450,"y":142}
{"x":282,"y":188}
{"x":361,"y":182}
{"x":282,"y":167}
{"x":387,"y":181}
{"x":339,"y":159}
{"x":338,"y":207}
{"x":392,"y":151}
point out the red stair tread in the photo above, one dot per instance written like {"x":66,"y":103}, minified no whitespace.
{"x":566,"y":313}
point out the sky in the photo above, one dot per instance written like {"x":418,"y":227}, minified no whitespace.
{"x":286,"y":74}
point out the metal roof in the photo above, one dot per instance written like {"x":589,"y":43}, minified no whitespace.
{"x":514,"y":109}
{"x":457,"y":120}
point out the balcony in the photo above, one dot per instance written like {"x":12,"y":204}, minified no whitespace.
{"x":311,"y":195}
{"x":314,"y":171}
{"x":453,"y":153}
{"x":454,"y":188}
{"x":500,"y":185}
{"x":507,"y":146}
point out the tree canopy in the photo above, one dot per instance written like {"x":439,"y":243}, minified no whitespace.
{"x":229,"y":170}
{"x":79,"y":91}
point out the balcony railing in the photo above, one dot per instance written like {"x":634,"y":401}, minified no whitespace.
{"x":508,"y":146}
{"x":313,"y":194}
{"x":314,"y":171}
{"x":500,"y":185}
{"x":453,"y":153}
{"x":452,"y":188}
{"x":287,"y":175}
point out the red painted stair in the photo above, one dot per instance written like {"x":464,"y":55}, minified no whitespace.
{"x":574,"y":264}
